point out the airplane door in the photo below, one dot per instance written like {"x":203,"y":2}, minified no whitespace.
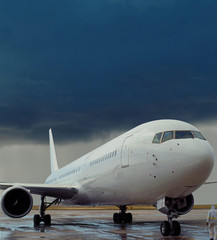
{"x":125,"y":152}
{"x":86,"y":168}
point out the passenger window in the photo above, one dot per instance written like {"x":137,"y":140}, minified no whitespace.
{"x":198,"y":135}
{"x":157,"y":138}
{"x":167,"y":136}
{"x":184,"y":134}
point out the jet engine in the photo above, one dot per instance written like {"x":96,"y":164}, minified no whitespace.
{"x":16,"y":202}
{"x":184,"y":205}
{"x":180,"y":206}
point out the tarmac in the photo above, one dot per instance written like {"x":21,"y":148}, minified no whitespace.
{"x":98,"y":224}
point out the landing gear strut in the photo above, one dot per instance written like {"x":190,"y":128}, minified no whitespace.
{"x":46,"y":218}
{"x":122,"y":216}
{"x":170,"y":227}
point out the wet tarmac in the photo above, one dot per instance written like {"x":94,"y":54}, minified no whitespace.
{"x":98,"y":224}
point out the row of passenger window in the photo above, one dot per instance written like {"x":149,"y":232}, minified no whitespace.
{"x":168,"y":135}
{"x":73,"y":171}
{"x":78,"y":169}
{"x":105,"y":157}
{"x":51,"y":180}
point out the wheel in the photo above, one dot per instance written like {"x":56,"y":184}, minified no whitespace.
{"x":120,"y":218}
{"x":128,"y":218}
{"x":37,"y":220}
{"x":176,"y":229}
{"x":165,"y":228}
{"x":47,"y":220}
{"x":115,"y":217}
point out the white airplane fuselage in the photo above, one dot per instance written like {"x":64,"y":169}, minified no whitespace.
{"x":132,"y":170}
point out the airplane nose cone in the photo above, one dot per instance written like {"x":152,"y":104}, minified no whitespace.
{"x":199,"y":164}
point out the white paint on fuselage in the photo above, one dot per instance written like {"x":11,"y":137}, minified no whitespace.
{"x":174,"y":168}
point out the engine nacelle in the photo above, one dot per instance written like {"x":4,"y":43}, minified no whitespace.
{"x":16,"y":202}
{"x":179,"y":205}
{"x":184,"y":205}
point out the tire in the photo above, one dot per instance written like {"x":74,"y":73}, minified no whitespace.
{"x":115,"y":217}
{"x":129,"y":218}
{"x":120,"y":218}
{"x":176,"y":229}
{"x":165,"y":228}
{"x":37,"y":220}
{"x":47,"y":220}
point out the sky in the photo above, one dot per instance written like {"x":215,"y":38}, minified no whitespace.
{"x":91,"y":70}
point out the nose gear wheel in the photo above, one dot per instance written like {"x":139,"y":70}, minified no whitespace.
{"x":170,"y":227}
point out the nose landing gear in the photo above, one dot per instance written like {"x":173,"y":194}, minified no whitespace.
{"x":170,"y":227}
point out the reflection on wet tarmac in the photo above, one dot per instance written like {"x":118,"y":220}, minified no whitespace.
{"x":98,"y":224}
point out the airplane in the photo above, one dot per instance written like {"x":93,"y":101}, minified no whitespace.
{"x":159,"y":163}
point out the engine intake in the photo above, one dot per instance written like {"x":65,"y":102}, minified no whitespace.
{"x":184,"y":205}
{"x":179,"y":205}
{"x":16,"y":202}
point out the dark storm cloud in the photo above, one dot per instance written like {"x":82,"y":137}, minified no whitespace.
{"x":87,"y":67}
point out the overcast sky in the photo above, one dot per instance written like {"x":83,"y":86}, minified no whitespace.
{"x":93,"y":69}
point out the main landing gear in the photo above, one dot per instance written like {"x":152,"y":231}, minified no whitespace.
{"x":46,"y":218}
{"x":122,"y":216}
{"x":170,"y":227}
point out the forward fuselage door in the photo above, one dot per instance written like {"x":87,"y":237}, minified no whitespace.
{"x":86,"y":168}
{"x":125,"y":151}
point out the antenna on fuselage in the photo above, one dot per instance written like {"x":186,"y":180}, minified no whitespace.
{"x":53,"y":157}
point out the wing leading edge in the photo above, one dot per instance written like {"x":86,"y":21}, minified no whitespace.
{"x":211,"y":182}
{"x":48,"y":190}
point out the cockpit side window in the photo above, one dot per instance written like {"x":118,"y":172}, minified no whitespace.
{"x":167,"y":136}
{"x":157,"y":138}
{"x":183,"y":134}
{"x":198,"y":135}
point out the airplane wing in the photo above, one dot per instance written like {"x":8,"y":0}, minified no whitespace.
{"x":211,"y":182}
{"x":49,"y":190}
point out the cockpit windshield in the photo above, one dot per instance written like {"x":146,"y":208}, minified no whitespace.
{"x":168,"y":135}
{"x":183,"y":134}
